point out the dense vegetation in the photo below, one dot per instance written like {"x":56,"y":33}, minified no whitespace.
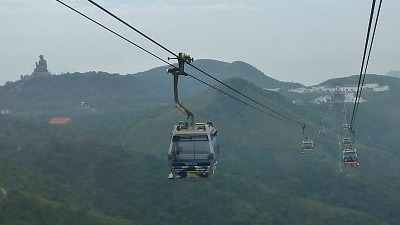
{"x":108,"y":166}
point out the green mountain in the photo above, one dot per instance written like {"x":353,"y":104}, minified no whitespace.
{"x":65,"y":93}
{"x":109,"y":166}
{"x":115,"y":93}
{"x":218,"y":69}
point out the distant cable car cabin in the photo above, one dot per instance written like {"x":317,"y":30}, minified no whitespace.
{"x":307,"y":146}
{"x":350,"y":157}
{"x":346,"y":141}
{"x":193,"y":151}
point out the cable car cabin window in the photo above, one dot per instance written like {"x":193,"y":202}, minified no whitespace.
{"x":215,"y":143}
{"x":190,"y":147}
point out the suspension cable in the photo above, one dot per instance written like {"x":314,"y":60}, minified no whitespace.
{"x":244,"y":95}
{"x":115,"y":33}
{"x":237,"y":99}
{"x":365,"y":60}
{"x":133,"y":28}
{"x":195,"y":67}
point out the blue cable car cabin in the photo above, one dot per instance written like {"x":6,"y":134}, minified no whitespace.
{"x":194,"y":151}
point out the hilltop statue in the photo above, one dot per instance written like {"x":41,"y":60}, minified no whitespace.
{"x":41,"y":68}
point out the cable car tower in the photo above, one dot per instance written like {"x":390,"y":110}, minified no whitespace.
{"x":194,"y":149}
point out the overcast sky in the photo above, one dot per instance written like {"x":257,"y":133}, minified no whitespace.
{"x":306,"y":41}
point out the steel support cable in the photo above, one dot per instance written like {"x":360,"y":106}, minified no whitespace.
{"x":345,"y":112}
{"x":115,"y":33}
{"x":247,"y":97}
{"x":202,"y":71}
{"x":363,"y":62}
{"x":369,"y":54}
{"x":133,"y":28}
{"x":239,"y":100}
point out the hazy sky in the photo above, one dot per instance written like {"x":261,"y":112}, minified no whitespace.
{"x":306,"y":41}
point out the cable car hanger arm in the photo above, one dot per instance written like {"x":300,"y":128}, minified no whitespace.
{"x":176,"y":72}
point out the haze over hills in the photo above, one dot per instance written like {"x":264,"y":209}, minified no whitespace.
{"x":393,"y":74}
{"x":353,"y":80}
{"x":109,"y":166}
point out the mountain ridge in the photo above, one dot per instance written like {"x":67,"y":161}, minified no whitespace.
{"x":107,"y":92}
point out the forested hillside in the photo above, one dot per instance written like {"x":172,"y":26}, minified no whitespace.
{"x":109,"y":165}
{"x":116,"y":93}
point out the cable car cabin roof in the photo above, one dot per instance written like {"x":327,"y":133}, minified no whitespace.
{"x":197,"y":129}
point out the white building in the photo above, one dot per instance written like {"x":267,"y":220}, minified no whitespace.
{"x":382,"y":88}
{"x":374,"y":87}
